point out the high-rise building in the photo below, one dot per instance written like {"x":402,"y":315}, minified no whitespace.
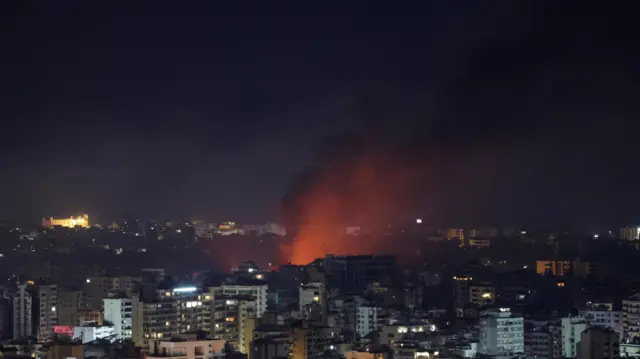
{"x":353,"y":274}
{"x":5,"y":314}
{"x":603,"y":315}
{"x":153,"y":320}
{"x":501,"y":333}
{"x":599,"y":343}
{"x":22,"y":313}
{"x":193,"y":309}
{"x":537,"y":339}
{"x":368,"y":319}
{"x":566,"y":335}
{"x":231,"y":314}
{"x":99,"y":288}
{"x":172,"y":311}
{"x":69,"y":302}
{"x":119,"y":312}
{"x":46,"y":306}
{"x":309,"y":341}
{"x":256,"y":289}
{"x":631,"y":317}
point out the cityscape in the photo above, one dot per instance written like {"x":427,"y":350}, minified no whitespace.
{"x":319,"y":180}
{"x":122,"y":289}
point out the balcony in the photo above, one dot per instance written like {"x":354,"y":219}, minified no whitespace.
{"x":175,"y":354}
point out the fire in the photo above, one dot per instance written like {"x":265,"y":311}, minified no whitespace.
{"x":369,"y":190}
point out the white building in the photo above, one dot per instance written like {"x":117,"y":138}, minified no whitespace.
{"x":501,"y":333}
{"x":47,"y":315}
{"x":118,"y":311}
{"x":258,"y":291}
{"x":630,"y":233}
{"x":89,"y":334}
{"x":368,"y":319}
{"x":566,"y":335}
{"x":603,"y":315}
{"x":631,"y":317}
{"x":186,"y":349}
{"x":22,"y":315}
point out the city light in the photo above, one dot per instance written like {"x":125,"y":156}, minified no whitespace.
{"x":419,"y":220}
{"x":185,"y":289}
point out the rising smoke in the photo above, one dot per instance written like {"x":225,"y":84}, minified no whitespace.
{"x":508,"y":137}
{"x":357,"y":181}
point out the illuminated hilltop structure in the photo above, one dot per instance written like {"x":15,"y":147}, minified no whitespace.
{"x":71,"y":222}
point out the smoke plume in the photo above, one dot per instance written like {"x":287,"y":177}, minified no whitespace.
{"x":527,"y":121}
{"x":357,"y":182}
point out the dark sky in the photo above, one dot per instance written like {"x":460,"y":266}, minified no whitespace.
{"x":193,"y":109}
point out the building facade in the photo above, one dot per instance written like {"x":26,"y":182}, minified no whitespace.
{"x":22,"y":312}
{"x":501,"y":333}
{"x":119,"y":312}
{"x":566,"y":334}
{"x":71,"y":222}
{"x":599,"y":343}
{"x":46,"y":306}
{"x":631,"y":318}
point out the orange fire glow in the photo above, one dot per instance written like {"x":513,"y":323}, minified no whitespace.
{"x":368,"y":191}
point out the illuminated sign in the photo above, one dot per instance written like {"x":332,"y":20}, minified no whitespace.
{"x":63,"y":329}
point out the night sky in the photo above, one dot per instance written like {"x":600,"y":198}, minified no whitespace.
{"x":522,"y":112}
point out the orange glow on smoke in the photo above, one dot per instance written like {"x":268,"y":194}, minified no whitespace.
{"x":368,"y":192}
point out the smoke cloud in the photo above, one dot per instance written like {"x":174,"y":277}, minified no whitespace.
{"x":528,"y":124}
{"x":358,"y":181}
